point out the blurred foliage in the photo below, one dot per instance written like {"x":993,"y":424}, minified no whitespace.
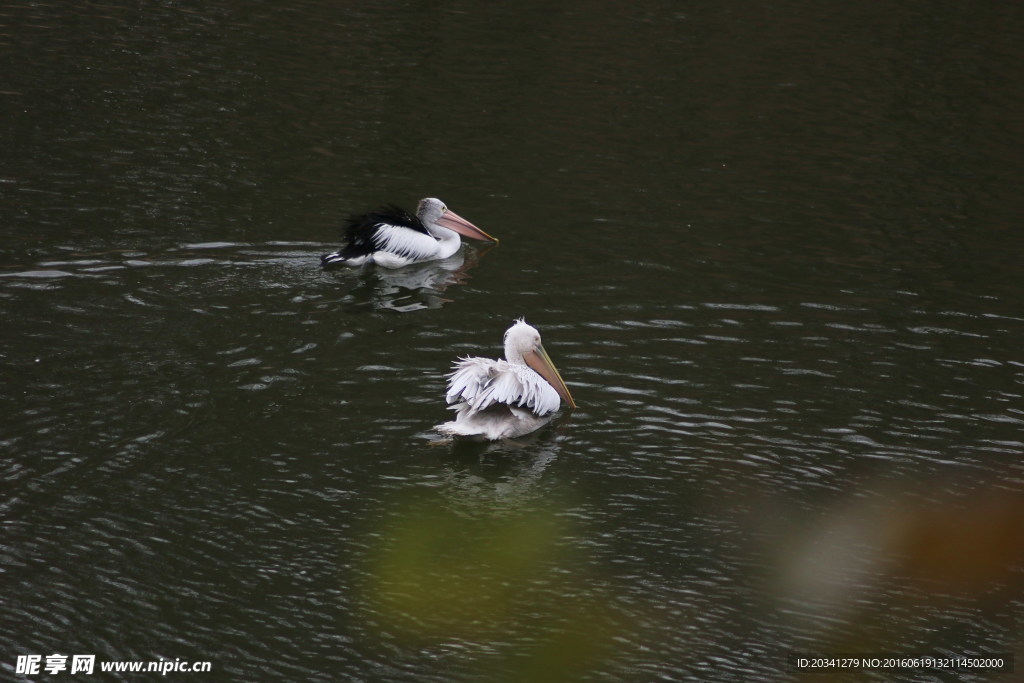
{"x":505,"y":579}
{"x":886,"y":571}
{"x":510,"y":592}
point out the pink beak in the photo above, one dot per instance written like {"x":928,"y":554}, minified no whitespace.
{"x":540,"y":361}
{"x":453,"y":221}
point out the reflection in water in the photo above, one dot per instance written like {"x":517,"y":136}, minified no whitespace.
{"x":499,"y":474}
{"x":412,"y":288}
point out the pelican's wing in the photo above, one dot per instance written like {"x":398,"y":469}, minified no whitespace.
{"x":405,"y":242}
{"x":482,"y":382}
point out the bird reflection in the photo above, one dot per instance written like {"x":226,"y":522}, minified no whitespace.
{"x":416,"y":287}
{"x":493,"y":474}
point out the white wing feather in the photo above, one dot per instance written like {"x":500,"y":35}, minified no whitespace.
{"x":482,"y":382}
{"x":405,"y":242}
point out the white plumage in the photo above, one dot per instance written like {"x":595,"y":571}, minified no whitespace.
{"x":482,"y":382}
{"x":412,"y":246}
{"x":499,"y":399}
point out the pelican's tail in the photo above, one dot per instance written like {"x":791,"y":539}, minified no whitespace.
{"x":499,"y":421}
{"x":331,"y":259}
{"x":454,"y":428}
{"x":336,"y":258}
{"x":460,"y":426}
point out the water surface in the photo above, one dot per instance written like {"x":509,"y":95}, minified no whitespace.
{"x":773,"y":250}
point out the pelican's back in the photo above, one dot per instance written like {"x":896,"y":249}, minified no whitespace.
{"x":482,"y":382}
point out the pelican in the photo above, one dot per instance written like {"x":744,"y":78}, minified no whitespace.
{"x":503,"y":399}
{"x":392,"y":237}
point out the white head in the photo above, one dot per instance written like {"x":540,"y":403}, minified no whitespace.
{"x":437,"y":218}
{"x":520,"y":339}
{"x":523,"y":347}
{"x":430,"y":209}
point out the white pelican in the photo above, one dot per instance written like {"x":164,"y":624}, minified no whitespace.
{"x":503,"y":399}
{"x":392,"y":237}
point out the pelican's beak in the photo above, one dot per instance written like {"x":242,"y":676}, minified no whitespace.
{"x":450,"y":219}
{"x":540,"y":361}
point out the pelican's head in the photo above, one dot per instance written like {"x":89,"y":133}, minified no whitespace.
{"x":522,"y":345}
{"x":433,"y":212}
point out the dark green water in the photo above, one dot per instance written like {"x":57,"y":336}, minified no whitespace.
{"x":774,"y":249}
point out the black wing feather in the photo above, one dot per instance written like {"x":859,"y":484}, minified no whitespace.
{"x":360,"y":231}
